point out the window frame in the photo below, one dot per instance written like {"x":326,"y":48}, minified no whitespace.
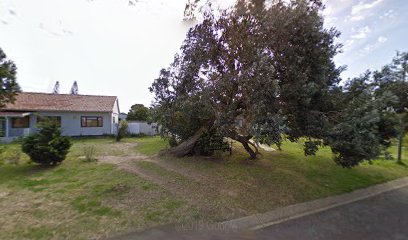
{"x":13,"y":119}
{"x":57,"y":118}
{"x":84,"y":124}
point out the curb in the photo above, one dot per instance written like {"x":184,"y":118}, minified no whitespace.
{"x":263,"y":220}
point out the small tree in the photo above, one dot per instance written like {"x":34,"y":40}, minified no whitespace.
{"x":393,"y":80}
{"x":8,"y":84}
{"x":47,"y":146}
{"x":122,"y":130}
{"x":138,"y":112}
{"x":365,"y":125}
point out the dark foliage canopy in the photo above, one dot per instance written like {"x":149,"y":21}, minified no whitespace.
{"x":8,"y":83}
{"x":268,"y":65}
{"x":138,"y":112}
{"x":373,"y":111}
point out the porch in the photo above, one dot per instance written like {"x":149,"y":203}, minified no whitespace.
{"x":13,"y":125}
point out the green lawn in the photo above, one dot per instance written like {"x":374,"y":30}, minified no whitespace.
{"x":150,"y":145}
{"x":80,"y":200}
{"x":90,"y":200}
{"x":277,"y":179}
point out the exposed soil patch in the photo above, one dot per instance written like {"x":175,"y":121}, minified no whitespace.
{"x":128,"y":162}
{"x":191,"y":186}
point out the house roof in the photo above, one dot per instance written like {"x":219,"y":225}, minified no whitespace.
{"x":30,"y":101}
{"x":13,"y":114}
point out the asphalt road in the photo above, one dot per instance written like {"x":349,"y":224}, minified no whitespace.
{"x":384,"y":216}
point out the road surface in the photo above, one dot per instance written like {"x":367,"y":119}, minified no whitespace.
{"x":383,"y":216}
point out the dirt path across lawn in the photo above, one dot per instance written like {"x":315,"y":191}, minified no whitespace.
{"x":128,"y":163}
{"x":189,"y":185}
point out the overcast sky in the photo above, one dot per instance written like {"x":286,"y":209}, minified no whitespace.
{"x":111,"y":47}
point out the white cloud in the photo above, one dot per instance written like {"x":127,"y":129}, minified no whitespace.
{"x":371,"y":47}
{"x":358,"y":12}
{"x":328,"y":11}
{"x":337,"y":7}
{"x":356,"y":18}
{"x":360,"y":7}
{"x":330,"y":21}
{"x":56,"y":29}
{"x":357,"y":36}
{"x":348,"y":44}
{"x":388,"y":14}
{"x":361,"y":33}
{"x":382,"y":39}
{"x":329,"y":16}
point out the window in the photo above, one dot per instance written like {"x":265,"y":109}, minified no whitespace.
{"x":91,"y":122}
{"x":23,"y":122}
{"x":55,"y":119}
{"x":2,"y":127}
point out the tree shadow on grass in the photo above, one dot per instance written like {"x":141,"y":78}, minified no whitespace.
{"x":10,"y":173}
{"x":402,"y":164}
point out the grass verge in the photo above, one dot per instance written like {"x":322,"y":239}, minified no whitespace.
{"x":79,"y":200}
{"x":92,"y":200}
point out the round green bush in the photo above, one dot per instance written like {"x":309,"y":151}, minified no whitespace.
{"x":47,"y":146}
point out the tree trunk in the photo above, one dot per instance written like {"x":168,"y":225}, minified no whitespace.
{"x":252,"y":154}
{"x":400,"y":139}
{"x":186,"y":147}
{"x":255,"y":145}
{"x":245,"y":142}
{"x":400,"y":148}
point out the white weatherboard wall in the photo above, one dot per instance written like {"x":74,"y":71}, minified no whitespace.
{"x":115,"y":117}
{"x":71,"y":123}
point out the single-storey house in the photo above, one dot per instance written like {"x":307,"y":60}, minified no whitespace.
{"x":78,"y":115}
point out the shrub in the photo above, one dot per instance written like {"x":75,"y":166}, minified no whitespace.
{"x":173,"y":141}
{"x":47,"y":146}
{"x":89,"y":152}
{"x":209,"y":142}
{"x":122,"y":130}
